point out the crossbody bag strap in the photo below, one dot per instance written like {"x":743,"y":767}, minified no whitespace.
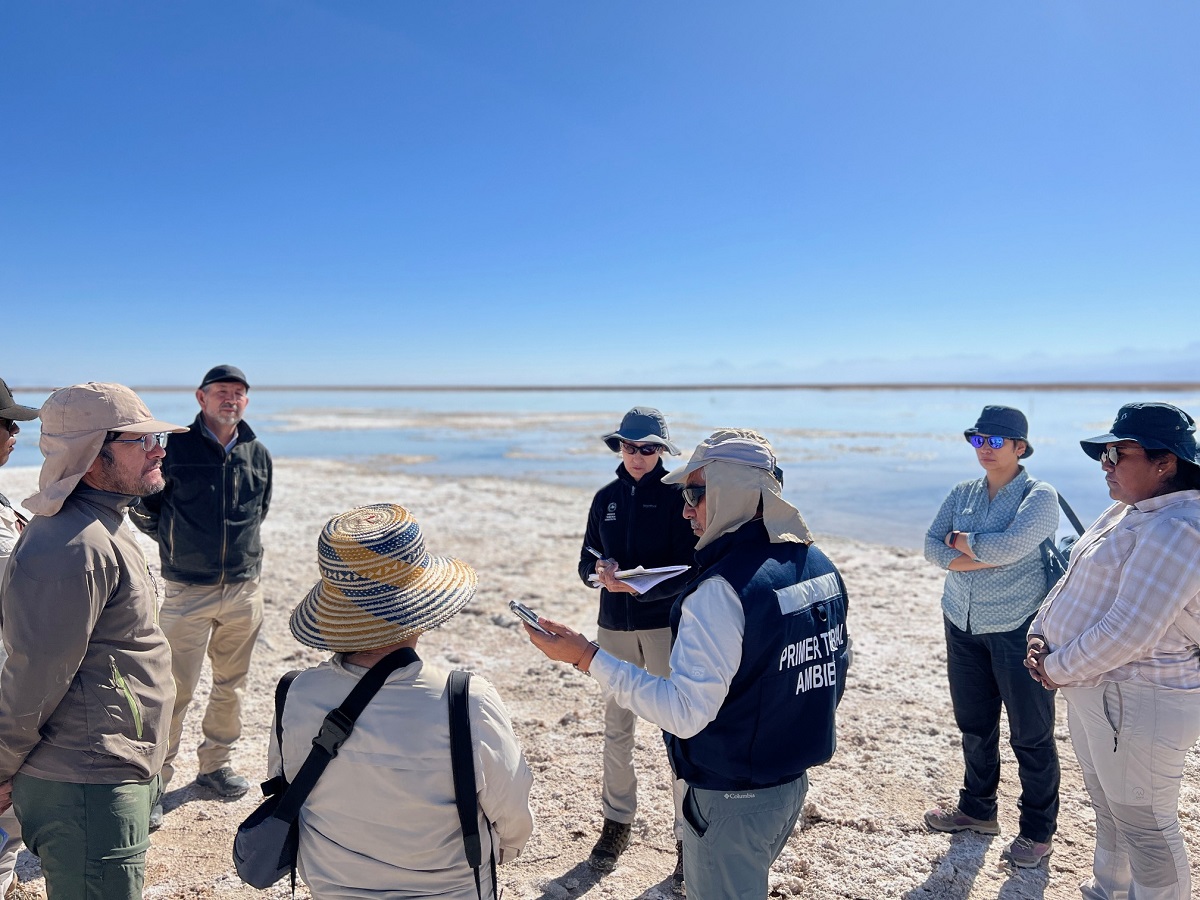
{"x":1070,"y":514}
{"x":336,"y":728}
{"x":462,"y":763}
{"x":278,"y":783}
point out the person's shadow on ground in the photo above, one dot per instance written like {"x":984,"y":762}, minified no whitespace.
{"x":956,"y":871}
{"x":581,"y":878}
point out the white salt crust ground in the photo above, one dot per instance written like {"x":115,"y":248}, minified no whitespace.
{"x":861,"y":836}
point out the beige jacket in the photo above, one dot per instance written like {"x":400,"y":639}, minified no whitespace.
{"x":381,"y":821}
{"x":86,"y":693}
{"x":9,"y":532}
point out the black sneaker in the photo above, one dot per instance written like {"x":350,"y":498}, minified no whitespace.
{"x":677,"y":875}
{"x":224,"y":781}
{"x":614,"y":840}
{"x":156,"y":817}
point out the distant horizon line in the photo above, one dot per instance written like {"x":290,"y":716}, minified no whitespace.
{"x":765,"y":386}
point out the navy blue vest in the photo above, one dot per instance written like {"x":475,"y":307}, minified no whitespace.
{"x":778,"y":717}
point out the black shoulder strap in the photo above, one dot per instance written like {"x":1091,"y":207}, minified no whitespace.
{"x":1062,"y":501}
{"x":281,"y":691}
{"x":462,"y":762}
{"x":336,"y":728}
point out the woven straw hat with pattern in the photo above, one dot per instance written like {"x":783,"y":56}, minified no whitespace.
{"x":379,"y":585}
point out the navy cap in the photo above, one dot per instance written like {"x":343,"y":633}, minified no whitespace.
{"x":1156,"y":426}
{"x":645,"y":425}
{"x":224,"y":373}
{"x":11,"y":409}
{"x":1003,"y":421}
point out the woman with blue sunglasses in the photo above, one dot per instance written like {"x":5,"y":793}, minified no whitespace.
{"x":987,"y":536}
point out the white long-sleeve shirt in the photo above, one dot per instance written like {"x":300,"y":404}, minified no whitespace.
{"x":1129,"y":605}
{"x":704,"y":658}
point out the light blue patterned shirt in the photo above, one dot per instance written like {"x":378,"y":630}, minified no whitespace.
{"x":1005,"y":532}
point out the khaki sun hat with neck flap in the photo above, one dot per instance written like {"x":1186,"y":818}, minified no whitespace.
{"x":75,"y":421}
{"x":740,"y":471}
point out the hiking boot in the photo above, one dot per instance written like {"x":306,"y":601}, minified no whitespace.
{"x":156,"y":817}
{"x":1026,"y":853}
{"x":954,"y":820}
{"x":224,"y":781}
{"x":677,"y":875}
{"x":614,"y":839}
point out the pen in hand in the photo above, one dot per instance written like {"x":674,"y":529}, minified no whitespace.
{"x":592,"y":550}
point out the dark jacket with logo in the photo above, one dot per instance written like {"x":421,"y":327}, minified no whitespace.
{"x":778,"y":716}
{"x":638,"y":523}
{"x":207,"y":520}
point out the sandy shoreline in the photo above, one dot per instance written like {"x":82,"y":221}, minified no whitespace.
{"x":862,"y":835}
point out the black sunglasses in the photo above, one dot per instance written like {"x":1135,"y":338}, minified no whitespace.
{"x":644,"y":449}
{"x":8,"y":425}
{"x":993,"y":440}
{"x":692,"y":494}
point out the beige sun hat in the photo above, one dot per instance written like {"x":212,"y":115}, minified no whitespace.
{"x":75,"y":420}
{"x":740,"y":471}
{"x":379,"y":585}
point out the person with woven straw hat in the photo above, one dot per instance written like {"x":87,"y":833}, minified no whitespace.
{"x":758,"y":666}
{"x":381,"y":820}
{"x":987,"y":535}
{"x":86,"y":692}
{"x":1120,"y":635}
{"x":635,"y":520}
{"x":12,"y":523}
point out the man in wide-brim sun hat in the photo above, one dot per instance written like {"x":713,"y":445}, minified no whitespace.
{"x":382,"y":817}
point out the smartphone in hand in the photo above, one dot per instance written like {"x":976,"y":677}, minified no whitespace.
{"x":526,"y":615}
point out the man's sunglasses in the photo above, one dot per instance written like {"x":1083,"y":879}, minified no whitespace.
{"x":148,"y":441}
{"x":692,"y":494}
{"x":644,"y":449}
{"x":992,"y":440}
{"x":7,"y":425}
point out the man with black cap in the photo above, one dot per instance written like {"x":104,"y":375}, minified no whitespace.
{"x":12,"y":523}
{"x":86,"y":692}
{"x":207,"y":523}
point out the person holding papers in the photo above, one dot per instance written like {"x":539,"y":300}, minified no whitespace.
{"x":635,"y":520}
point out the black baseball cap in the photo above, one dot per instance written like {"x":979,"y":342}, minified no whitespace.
{"x":1158,"y":426}
{"x":224,"y":373}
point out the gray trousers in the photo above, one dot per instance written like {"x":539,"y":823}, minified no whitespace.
{"x":652,"y":651}
{"x":730,"y":838}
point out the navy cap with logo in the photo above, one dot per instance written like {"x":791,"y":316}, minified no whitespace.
{"x":224,"y":373}
{"x":1156,"y":426}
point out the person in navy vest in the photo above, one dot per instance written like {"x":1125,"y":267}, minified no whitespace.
{"x":758,"y":666}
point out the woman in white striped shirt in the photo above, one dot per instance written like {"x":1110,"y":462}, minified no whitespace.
{"x":1120,"y":633}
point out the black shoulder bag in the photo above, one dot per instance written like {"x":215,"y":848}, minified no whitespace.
{"x":1055,"y":556}
{"x":264,"y":849}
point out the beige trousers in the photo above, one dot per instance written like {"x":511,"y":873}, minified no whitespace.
{"x":651,"y":650}
{"x":224,"y":620}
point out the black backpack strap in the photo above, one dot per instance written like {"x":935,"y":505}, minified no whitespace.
{"x":337,"y":727}
{"x":462,"y":762}
{"x":278,"y":783}
{"x":1070,"y":514}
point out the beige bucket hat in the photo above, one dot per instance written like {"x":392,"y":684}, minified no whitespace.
{"x":75,"y":420}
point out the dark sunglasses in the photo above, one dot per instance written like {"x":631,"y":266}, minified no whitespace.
{"x":644,"y":449}
{"x":993,"y":440}
{"x":148,"y":441}
{"x":8,"y":425}
{"x":692,"y":494}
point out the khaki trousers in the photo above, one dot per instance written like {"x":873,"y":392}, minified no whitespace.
{"x":224,"y":620}
{"x":650,"y":649}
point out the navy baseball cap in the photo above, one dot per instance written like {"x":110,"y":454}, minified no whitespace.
{"x":224,"y":373}
{"x":1156,"y":426}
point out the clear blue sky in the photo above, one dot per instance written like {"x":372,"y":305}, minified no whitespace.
{"x":584,"y":192}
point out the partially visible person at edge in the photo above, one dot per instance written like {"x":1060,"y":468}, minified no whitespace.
{"x":1120,"y":635}
{"x":86,"y":692}
{"x":207,"y":523}
{"x":635,"y":520}
{"x":12,"y":523}
{"x":382,"y":821}
{"x":758,"y":667}
{"x":988,"y":534}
